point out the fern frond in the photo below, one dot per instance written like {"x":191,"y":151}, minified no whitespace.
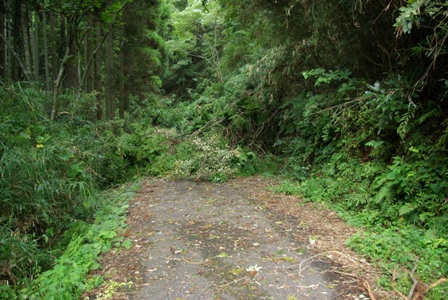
{"x":430,"y":114}
{"x":405,"y":121}
{"x":385,"y":194}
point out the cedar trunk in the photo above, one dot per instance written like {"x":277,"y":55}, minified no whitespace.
{"x":110,"y":105}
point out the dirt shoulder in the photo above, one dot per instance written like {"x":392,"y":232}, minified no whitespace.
{"x":236,"y":240}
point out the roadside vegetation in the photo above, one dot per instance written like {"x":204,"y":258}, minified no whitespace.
{"x":346,"y":100}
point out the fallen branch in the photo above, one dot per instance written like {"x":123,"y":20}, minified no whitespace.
{"x":419,"y":293}
{"x":320,"y":254}
{"x":414,"y":281}
{"x":345,"y":274}
{"x":222,"y":286}
{"x":441,"y":280}
{"x":368,"y":288}
{"x":400,"y":293}
{"x":364,"y":282}
{"x":187,"y":261}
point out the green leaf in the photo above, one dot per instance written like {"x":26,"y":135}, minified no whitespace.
{"x":407,"y":208}
{"x":127,"y":244}
{"x":374,"y":143}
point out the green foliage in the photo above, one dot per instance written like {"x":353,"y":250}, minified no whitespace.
{"x":49,"y":172}
{"x":149,"y":148}
{"x":21,"y":256}
{"x":44,"y":183}
{"x":374,"y":163}
{"x":419,"y":188}
{"x":403,"y":247}
{"x":396,"y":234}
{"x":7,"y":292}
{"x":68,"y":277}
{"x":206,"y":158}
{"x":322,"y":76}
{"x":195,"y":45}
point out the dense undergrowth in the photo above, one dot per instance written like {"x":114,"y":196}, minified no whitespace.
{"x":380,"y":160}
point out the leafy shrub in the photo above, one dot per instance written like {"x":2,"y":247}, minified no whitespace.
{"x":44,"y":183}
{"x":403,"y":246}
{"x":49,"y":171}
{"x":206,"y":158}
{"x":374,"y":162}
{"x":68,"y":278}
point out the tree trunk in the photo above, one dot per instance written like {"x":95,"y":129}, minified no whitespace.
{"x":109,"y":53}
{"x":35,"y":44}
{"x":3,"y":47}
{"x":58,"y":83}
{"x":71,"y":80}
{"x":26,"y":42}
{"x":98,"y":81}
{"x":89,"y":84}
{"x":68,"y":38}
{"x":122,"y":106}
{"x":17,"y":42}
{"x":46,"y":61}
{"x":7,"y":34}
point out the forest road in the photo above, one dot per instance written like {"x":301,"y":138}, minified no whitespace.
{"x":199,"y":240}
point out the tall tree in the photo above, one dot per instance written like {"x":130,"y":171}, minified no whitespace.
{"x":197,"y":42}
{"x":98,"y":83}
{"x":109,"y":69}
{"x":78,"y":45}
{"x":3,"y":46}
{"x":46,"y":51}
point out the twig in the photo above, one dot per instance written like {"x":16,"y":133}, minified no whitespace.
{"x":187,"y":261}
{"x":340,"y":105}
{"x":233,"y":281}
{"x":324,"y":253}
{"x":364,"y":282}
{"x":441,"y":280}
{"x":400,"y":293}
{"x":369,"y":290}
{"x":345,"y":274}
{"x":414,"y":281}
{"x":209,"y":123}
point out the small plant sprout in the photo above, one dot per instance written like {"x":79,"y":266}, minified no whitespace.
{"x":313,"y":239}
{"x":223,"y":255}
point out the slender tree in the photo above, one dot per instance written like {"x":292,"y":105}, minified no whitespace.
{"x":98,"y":84}
{"x":3,"y":46}
{"x":109,"y":70}
{"x":46,"y":51}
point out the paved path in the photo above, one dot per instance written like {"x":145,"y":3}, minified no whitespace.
{"x":208,"y":241}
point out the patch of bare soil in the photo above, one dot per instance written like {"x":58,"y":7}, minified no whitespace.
{"x":236,"y":240}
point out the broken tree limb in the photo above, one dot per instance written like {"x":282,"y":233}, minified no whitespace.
{"x":368,"y":288}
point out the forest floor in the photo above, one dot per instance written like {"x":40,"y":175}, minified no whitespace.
{"x":235,"y":240}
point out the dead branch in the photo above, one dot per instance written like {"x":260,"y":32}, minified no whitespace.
{"x":368,"y":288}
{"x":187,"y":260}
{"x":414,"y":281}
{"x":441,"y":280}
{"x":364,"y":282}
